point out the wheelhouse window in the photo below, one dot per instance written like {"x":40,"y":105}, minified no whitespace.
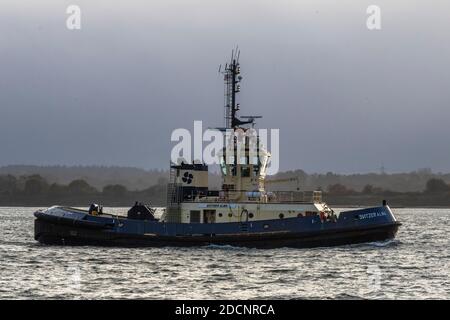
{"x":245,"y":171}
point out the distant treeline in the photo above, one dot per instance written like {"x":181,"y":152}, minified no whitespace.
{"x":35,"y":190}
{"x":96,"y":176}
{"x":140,"y":179}
{"x":436,"y":193}
{"x":414,"y":181}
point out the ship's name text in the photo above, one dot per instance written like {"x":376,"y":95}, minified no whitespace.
{"x":371,"y":215}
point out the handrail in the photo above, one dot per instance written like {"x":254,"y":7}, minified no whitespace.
{"x":259,"y":197}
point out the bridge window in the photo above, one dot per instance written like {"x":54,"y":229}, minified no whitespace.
{"x":245,"y":171}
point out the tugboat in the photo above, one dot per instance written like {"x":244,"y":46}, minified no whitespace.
{"x":242,"y":213}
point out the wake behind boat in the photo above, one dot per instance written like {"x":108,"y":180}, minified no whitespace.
{"x":242,"y":213}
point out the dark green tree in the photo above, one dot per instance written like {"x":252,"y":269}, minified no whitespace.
{"x":79,"y":187}
{"x":437,"y":186}
{"x":35,"y":185}
{"x":8,"y":184}
{"x":368,"y":189}
{"x":115,"y":190}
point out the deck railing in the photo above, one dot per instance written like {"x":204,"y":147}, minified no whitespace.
{"x":258,"y":197}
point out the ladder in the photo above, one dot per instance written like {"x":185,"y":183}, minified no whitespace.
{"x":173,"y":200}
{"x":244,"y":226}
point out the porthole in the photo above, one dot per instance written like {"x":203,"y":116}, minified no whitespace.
{"x":230,"y":215}
{"x":220,"y":215}
{"x":281,"y":216}
{"x":250,"y":215}
{"x":300,"y":215}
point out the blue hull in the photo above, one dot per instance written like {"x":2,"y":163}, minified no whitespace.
{"x":75,"y":227}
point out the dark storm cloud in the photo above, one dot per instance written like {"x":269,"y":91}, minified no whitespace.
{"x":345,"y":99}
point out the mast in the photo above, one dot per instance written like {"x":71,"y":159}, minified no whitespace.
{"x":232,"y":79}
{"x":239,"y":175}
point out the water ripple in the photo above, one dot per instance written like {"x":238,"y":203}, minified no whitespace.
{"x":415,"y":265}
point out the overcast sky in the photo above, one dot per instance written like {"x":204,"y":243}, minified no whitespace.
{"x":346,"y":99}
